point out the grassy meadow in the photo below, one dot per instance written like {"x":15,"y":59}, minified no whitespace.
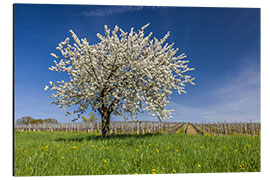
{"x":71,"y":153}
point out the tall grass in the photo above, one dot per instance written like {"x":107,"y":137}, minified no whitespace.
{"x":65,"y":153}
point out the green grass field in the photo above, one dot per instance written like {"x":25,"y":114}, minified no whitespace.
{"x":70,"y":153}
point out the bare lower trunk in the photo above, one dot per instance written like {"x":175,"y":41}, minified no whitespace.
{"x":105,"y":119}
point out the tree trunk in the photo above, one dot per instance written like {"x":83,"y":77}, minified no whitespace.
{"x":105,"y":121}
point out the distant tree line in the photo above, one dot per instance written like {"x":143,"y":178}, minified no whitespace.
{"x":29,"y":120}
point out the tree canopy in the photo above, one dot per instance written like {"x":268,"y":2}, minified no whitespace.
{"x":124,"y":74}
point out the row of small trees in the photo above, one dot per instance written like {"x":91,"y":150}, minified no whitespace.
{"x":29,"y":120}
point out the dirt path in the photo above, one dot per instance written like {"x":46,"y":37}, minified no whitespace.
{"x":175,"y":129}
{"x":191,"y":130}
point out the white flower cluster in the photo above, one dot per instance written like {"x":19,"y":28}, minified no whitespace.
{"x":125,"y":73}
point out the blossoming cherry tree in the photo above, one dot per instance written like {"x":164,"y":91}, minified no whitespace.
{"x":126,"y":73}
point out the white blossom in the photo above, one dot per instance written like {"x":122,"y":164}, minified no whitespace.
{"x":122,"y":74}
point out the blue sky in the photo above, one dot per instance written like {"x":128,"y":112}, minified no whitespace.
{"x":222,"y":44}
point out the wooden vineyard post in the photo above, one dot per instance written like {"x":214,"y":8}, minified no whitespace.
{"x":256,"y":129}
{"x":143,"y":125}
{"x":138,"y":128}
{"x":226,"y":129}
{"x":223,"y":129}
{"x":89,"y":129}
{"x":246,"y":129}
{"x":241,"y":126}
{"x":251,"y":128}
{"x":115,"y":129}
{"x":111,"y":128}
{"x":122,"y":128}
{"x":97,"y":128}
{"x":203,"y":128}
{"x":186,"y":125}
{"x":217,"y":129}
{"x":243,"y":129}
{"x":163,"y":128}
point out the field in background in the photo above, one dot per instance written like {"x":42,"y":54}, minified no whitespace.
{"x":167,"y":149}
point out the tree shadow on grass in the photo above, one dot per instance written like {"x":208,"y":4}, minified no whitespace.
{"x":112,"y":136}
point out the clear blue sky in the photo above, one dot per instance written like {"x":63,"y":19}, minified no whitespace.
{"x":222,"y":44}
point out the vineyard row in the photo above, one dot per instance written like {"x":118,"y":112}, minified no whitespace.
{"x":218,"y":129}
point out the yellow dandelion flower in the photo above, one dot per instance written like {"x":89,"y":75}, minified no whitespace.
{"x":176,"y":150}
{"x":201,"y":147}
{"x":199,"y":165}
{"x":157,"y":150}
{"x":123,"y":161}
{"x":137,"y":150}
{"x":240,"y":165}
{"x":153,"y":169}
{"x":135,"y":173}
{"x":62,"y":157}
{"x":154,"y":172}
{"x":75,"y":147}
{"x":174,"y":171}
{"x":36,"y":154}
{"x":105,"y":161}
